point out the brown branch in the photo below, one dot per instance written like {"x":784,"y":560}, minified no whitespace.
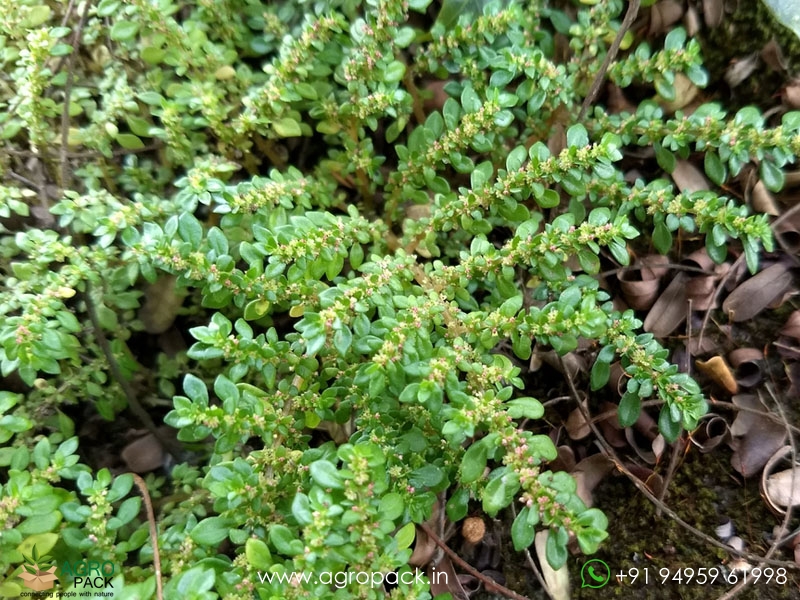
{"x":633,"y":10}
{"x":151,"y":519}
{"x":489,"y":583}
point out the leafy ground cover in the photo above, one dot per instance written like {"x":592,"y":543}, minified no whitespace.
{"x":480,"y":289}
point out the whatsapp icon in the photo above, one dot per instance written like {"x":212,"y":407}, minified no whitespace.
{"x":595,"y":574}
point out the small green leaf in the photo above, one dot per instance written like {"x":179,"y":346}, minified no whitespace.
{"x":669,"y":427}
{"x":662,"y":238}
{"x":630,"y":405}
{"x":665,"y":159}
{"x":556,"y":547}
{"x":522,"y":531}
{"x":601,"y":371}
{"x":258,"y":554}
{"x":124,"y":30}
{"x":129,"y":141}
{"x":210,"y":531}
{"x":500,"y":491}
{"x":405,"y":536}
{"x":473,"y":464}
{"x":325,"y":474}
{"x":287,"y":127}
{"x":715,"y":168}
{"x":528,"y":408}
{"x":772,"y":175}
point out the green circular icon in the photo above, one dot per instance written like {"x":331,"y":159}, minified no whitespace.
{"x":595,"y":574}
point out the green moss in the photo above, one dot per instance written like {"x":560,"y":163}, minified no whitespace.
{"x":702,"y":494}
{"x":741,"y":34}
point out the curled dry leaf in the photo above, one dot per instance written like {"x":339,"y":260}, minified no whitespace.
{"x":161,"y":305}
{"x":643,"y":448}
{"x":424,"y":549}
{"x":618,"y":379}
{"x":716,"y":369}
{"x":713,"y":11}
{"x":788,"y":233}
{"x":450,"y":583}
{"x":670,"y":309}
{"x":691,"y":21}
{"x":556,"y":581}
{"x":664,"y":14}
{"x":712,"y":431}
{"x":781,"y":489}
{"x":740,"y":69}
{"x":755,"y":437}
{"x":589,"y":473}
{"x":565,"y":460}
{"x":758,"y":292}
{"x":143,"y":455}
{"x":701,"y":288}
{"x":792,"y":326}
{"x":640,"y":285}
{"x":747,"y":364}
{"x":773,"y":57}
{"x":791,"y":94}
{"x":685,"y":94}
{"x":646,"y":475}
{"x":612,"y":432}
{"x":689,"y":178}
{"x":576,"y":425}
{"x":762,"y":200}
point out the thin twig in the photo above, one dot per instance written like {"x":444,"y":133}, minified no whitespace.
{"x":151,"y":519}
{"x":116,"y":372}
{"x":640,"y":485}
{"x":630,"y":15}
{"x":489,"y":583}
{"x":734,"y":591}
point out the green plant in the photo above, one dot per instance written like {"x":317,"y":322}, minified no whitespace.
{"x":354,"y":264}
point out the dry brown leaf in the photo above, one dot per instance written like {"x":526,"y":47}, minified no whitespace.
{"x":556,"y":581}
{"x":576,"y":425}
{"x":444,"y":579}
{"x":747,"y":364}
{"x":589,"y":473}
{"x":161,"y":305}
{"x":685,"y":93}
{"x":763,"y":201}
{"x":781,"y":489}
{"x":740,"y":69}
{"x":755,"y":438}
{"x":713,"y":11}
{"x":670,"y":309}
{"x":773,"y":57}
{"x":612,"y":432}
{"x":424,"y":549}
{"x":720,"y":372}
{"x":691,"y":21}
{"x":712,"y":431}
{"x":643,"y":448}
{"x":689,"y":178}
{"x":663,"y":15}
{"x":143,"y":455}
{"x":791,"y":94}
{"x":792,"y":326}
{"x":756,"y":293}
